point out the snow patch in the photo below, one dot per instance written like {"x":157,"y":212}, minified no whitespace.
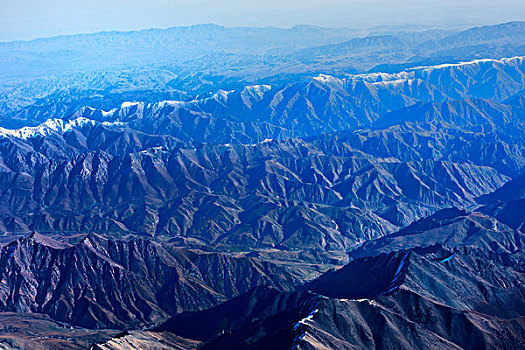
{"x":410,"y":74}
{"x":383,"y":77}
{"x":327,"y":79}
{"x":109,"y":113}
{"x":469,"y":63}
{"x":170,"y":103}
{"x":51,"y":126}
{"x":395,"y":82}
{"x":259,"y":143}
{"x":396,"y":279}
{"x":257,"y":89}
{"x":306,"y":319}
{"x":360,"y":300}
{"x":448,"y":258}
{"x":221,"y":95}
{"x":128,"y":104}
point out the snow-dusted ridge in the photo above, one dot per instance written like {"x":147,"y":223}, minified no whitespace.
{"x":248,"y":93}
{"x":411,"y":73}
{"x":128,"y":104}
{"x":473,"y":62}
{"x":52,"y":126}
{"x":305,"y":320}
{"x":251,"y":93}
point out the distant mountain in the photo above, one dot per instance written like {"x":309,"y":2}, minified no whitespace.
{"x":491,"y":41}
{"x":508,"y":33}
{"x":368,"y":45}
{"x":320,"y":105}
{"x":183,"y":62}
{"x":175,"y":45}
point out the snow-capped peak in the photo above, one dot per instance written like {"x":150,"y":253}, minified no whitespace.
{"x":416,"y":72}
{"x":50,"y":126}
{"x":128,"y":104}
{"x":329,"y":80}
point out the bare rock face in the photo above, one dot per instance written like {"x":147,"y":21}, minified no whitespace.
{"x":148,"y":341}
{"x":452,"y":280}
{"x":426,"y":299}
{"x":99,"y":283}
{"x":452,"y":227}
{"x":35,"y":331}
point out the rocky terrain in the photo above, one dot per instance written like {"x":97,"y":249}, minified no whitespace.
{"x":467,"y":296}
{"x":367,"y":191}
{"x":120,"y":284}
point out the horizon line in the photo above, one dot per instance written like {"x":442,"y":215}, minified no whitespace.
{"x":211,"y":24}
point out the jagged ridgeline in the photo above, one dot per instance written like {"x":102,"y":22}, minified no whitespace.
{"x":367,"y":191}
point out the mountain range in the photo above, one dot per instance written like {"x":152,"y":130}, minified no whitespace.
{"x":303,"y":188}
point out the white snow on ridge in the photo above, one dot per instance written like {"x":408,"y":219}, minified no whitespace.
{"x":50,"y":126}
{"x":473,"y":62}
{"x":259,"y":143}
{"x":412,"y":73}
{"x":383,"y":77}
{"x":109,"y":113}
{"x":306,"y":319}
{"x":258,"y":88}
{"x":395,"y":82}
{"x":171,"y":103}
{"x":248,"y":91}
{"x":128,"y":104}
{"x":329,"y":80}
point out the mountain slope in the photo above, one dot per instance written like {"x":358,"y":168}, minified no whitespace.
{"x":472,"y":229}
{"x":99,"y":283}
{"x":326,"y":193}
{"x":157,"y":191}
{"x":410,"y":301}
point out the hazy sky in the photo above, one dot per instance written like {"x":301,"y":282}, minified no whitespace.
{"x":27,"y":19}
